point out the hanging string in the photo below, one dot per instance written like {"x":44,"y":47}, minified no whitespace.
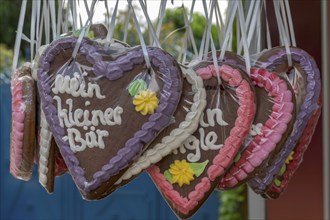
{"x":52,"y":10}
{"x":220,"y":24}
{"x":268,"y":38}
{"x":258,"y":30}
{"x":213,"y":50}
{"x":209,"y":28}
{"x":79,"y":15}
{"x":84,"y":29}
{"x":107,"y":16}
{"x":46,"y":22}
{"x":244,"y":38}
{"x":202,"y":45}
{"x":238,"y":34}
{"x":151,"y":29}
{"x":32,"y":28}
{"x":190,"y":34}
{"x":161,"y":14}
{"x":112,"y":25}
{"x":282,"y":32}
{"x":284,"y":20}
{"x":59,"y":17}
{"x":293,"y":37}
{"x":66,"y":20}
{"x":19,"y":35}
{"x":250,"y":22}
{"x":138,"y":29}
{"x":232,"y":13}
{"x":40,"y":29}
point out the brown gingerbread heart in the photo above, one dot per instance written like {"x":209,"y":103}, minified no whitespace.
{"x":98,"y":125}
{"x":188,"y":176}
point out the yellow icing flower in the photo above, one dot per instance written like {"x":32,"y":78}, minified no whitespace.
{"x":146,"y":102}
{"x":181,"y":172}
{"x":290,"y":157}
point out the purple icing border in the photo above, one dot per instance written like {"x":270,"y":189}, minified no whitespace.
{"x":170,"y":74}
{"x":260,"y":183}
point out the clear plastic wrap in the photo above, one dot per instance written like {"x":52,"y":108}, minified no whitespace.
{"x":49,"y":159}
{"x":22,"y":144}
{"x":188,"y":176}
{"x":186,"y":116}
{"x":45,"y":146}
{"x":99,"y":126}
{"x":304,"y":78}
{"x":271,"y":126}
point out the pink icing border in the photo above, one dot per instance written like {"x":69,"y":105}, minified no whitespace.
{"x":17,"y":132}
{"x":273,"y":129}
{"x":226,"y":154}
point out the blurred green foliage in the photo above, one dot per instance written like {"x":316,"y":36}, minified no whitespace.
{"x":6,"y":57}
{"x":232,"y":204}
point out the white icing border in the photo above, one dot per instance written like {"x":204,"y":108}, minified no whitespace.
{"x":45,"y":136}
{"x":178,"y":135}
{"x":44,"y":147}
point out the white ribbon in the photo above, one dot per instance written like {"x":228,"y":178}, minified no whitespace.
{"x":151,"y":29}
{"x":283,"y":34}
{"x":232,"y":7}
{"x":112,"y":25}
{"x":138,"y":29}
{"x":19,"y":35}
{"x":244,"y":38}
{"x":84,"y":30}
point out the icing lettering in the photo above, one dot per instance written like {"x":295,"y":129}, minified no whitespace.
{"x":92,"y":139}
{"x":211,"y":113}
{"x":79,"y":118}
{"x":82,"y":118}
{"x":207,"y":141}
{"x":73,"y":86}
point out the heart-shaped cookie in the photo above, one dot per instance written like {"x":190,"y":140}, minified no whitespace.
{"x":187,"y":177}
{"x":98,"y":125}
{"x":295,"y":158}
{"x":186,"y":119}
{"x":273,"y":123}
{"x":304,"y":77}
{"x":50,"y":161}
{"x":22,"y":138}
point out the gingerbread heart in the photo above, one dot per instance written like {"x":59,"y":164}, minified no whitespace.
{"x":273,"y":123}
{"x":295,"y":158}
{"x":304,"y":77}
{"x":50,"y":161}
{"x":98,"y":125}
{"x":186,"y":119}
{"x":188,"y":176}
{"x":22,"y":138}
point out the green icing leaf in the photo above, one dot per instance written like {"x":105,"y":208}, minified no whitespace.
{"x":238,"y":156}
{"x":136,"y":86}
{"x":277,"y":182}
{"x":283,"y":169}
{"x":198,"y":168}
{"x":168,"y":176}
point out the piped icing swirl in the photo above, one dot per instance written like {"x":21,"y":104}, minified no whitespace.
{"x":307,"y":95}
{"x":263,"y":143}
